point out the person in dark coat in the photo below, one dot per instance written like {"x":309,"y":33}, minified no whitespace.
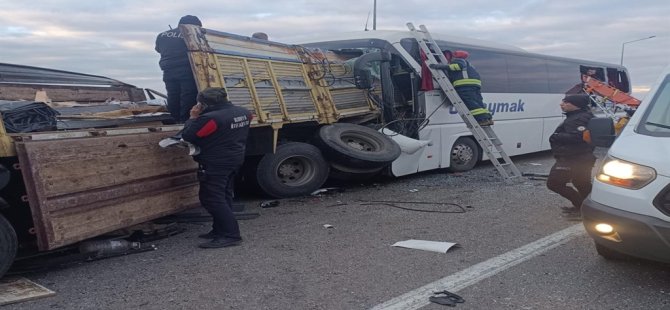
{"x":467,"y":83}
{"x":219,"y":129}
{"x":177,"y":74}
{"x":574,"y":155}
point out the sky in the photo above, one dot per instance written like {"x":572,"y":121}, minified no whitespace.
{"x":116,"y":38}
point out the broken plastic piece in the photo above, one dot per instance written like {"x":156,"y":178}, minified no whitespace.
{"x":328,"y":226}
{"x":269,"y":204}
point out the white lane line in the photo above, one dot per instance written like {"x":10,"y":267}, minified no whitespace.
{"x":419,"y":297}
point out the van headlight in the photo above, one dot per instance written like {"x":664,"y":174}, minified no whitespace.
{"x":625,"y":174}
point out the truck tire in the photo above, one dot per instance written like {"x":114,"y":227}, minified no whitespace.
{"x":296,"y":169}
{"x":464,"y":155}
{"x":356,"y":146}
{"x":341,"y":173}
{"x":8,"y":245}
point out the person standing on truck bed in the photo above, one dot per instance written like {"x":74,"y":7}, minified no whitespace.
{"x":220,"y":130}
{"x":574,"y":155}
{"x":177,"y":74}
{"x":466,"y":81}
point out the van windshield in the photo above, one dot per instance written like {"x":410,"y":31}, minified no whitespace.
{"x":656,"y":121}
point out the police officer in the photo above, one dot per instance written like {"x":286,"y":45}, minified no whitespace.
{"x":177,"y":74}
{"x":219,"y":129}
{"x":574,"y":156}
{"x":466,"y":81}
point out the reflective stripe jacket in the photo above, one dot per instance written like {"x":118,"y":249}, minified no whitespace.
{"x":221,"y":134}
{"x":461,"y":73}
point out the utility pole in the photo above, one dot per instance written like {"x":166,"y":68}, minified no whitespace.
{"x":374,"y":16}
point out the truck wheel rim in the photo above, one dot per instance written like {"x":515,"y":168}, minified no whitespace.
{"x":296,"y":171}
{"x":360,"y":143}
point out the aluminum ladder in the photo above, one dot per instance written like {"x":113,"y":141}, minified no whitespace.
{"x":485,"y":135}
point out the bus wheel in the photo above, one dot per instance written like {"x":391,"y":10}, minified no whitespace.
{"x":296,"y":169}
{"x":8,"y":245}
{"x":357,"y":146}
{"x":464,"y":155}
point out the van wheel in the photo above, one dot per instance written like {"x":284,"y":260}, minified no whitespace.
{"x":610,"y":254}
{"x":8,"y":245}
{"x":296,"y":169}
{"x":464,"y":155}
{"x":357,"y":146}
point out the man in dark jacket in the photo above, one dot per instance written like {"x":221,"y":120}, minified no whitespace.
{"x":467,"y":83}
{"x":219,"y":129}
{"x":574,"y":156}
{"x":177,"y":74}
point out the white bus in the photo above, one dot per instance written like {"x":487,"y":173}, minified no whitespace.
{"x":522,"y":90}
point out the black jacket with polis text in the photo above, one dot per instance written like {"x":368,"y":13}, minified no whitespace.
{"x":568,"y":140}
{"x":221,"y":134}
{"x":174,"y":54}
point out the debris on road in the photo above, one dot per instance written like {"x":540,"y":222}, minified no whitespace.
{"x":19,"y":289}
{"x":269,"y":204}
{"x":446,"y":298}
{"x":328,"y":226}
{"x":432,"y":246}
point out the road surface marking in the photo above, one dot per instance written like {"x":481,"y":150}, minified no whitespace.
{"x":419,"y":297}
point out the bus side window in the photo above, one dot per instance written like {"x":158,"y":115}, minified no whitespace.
{"x":493,"y":70}
{"x":527,"y":74}
{"x":562,"y":75}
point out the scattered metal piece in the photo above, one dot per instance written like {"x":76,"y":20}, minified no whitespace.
{"x":326,"y":190}
{"x":529,"y":174}
{"x":269,"y":204}
{"x":328,"y":226}
{"x":446,"y":298}
{"x":413,"y":190}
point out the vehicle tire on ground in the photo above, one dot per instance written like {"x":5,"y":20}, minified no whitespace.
{"x":8,"y":245}
{"x":341,"y":173}
{"x":464,"y":155}
{"x":610,"y":254}
{"x":295,"y":169}
{"x":357,"y":146}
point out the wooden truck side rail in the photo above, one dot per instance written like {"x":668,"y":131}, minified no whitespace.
{"x":84,"y":183}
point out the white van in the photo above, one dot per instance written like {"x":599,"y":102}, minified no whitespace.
{"x":628,"y":211}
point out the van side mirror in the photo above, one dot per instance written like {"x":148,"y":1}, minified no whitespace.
{"x":602,"y":131}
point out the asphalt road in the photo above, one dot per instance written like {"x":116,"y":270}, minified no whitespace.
{"x":289,"y":260}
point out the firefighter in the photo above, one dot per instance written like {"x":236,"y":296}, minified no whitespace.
{"x":177,"y":74}
{"x":219,"y":129}
{"x":573,"y":154}
{"x":466,"y":81}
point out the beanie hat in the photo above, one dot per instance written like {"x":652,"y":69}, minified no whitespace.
{"x":581,"y":101}
{"x":213,"y":96}
{"x":190,"y":20}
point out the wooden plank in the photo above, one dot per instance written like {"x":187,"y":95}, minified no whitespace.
{"x":19,"y":289}
{"x":71,"y":93}
{"x":83,"y":187}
